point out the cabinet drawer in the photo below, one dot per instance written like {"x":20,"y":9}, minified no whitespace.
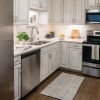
{"x":17,"y":60}
{"x":75,"y":45}
{"x":48,"y":48}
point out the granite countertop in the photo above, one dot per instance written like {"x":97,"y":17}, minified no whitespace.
{"x":21,"y":49}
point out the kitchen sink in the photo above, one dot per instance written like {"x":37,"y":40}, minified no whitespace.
{"x":39,"y":42}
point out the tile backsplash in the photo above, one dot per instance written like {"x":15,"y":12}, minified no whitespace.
{"x":66,"y":29}
{"x":44,"y":29}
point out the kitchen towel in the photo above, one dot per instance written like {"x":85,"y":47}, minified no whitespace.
{"x":95,"y":52}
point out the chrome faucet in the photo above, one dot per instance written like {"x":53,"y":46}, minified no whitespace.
{"x":32,"y":35}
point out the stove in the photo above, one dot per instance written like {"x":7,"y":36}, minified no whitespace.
{"x":91,"y":54}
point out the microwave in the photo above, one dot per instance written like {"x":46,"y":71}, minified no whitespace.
{"x":93,"y":16}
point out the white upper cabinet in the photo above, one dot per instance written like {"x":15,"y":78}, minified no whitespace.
{"x":92,"y":4}
{"x":68,"y":11}
{"x":44,"y":4}
{"x":55,"y":11}
{"x":34,"y":4}
{"x":79,"y":12}
{"x":21,"y":11}
{"x":38,"y":4}
{"x":74,"y":11}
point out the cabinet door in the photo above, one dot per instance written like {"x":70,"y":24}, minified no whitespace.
{"x":34,"y":4}
{"x":79,"y":11}
{"x":44,"y":4}
{"x":75,"y":59}
{"x":55,"y":11}
{"x":64,"y":54}
{"x":58,"y":55}
{"x":16,"y":2}
{"x":91,"y":4}
{"x":21,"y":11}
{"x":50,"y":10}
{"x":68,"y":11}
{"x":53,"y":60}
{"x":17,"y":84}
{"x":45,"y":63}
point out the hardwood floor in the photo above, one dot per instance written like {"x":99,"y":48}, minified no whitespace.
{"x":89,"y":89}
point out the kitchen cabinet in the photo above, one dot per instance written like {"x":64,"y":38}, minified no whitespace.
{"x":39,"y":4}
{"x":55,"y":11}
{"x":58,"y":55}
{"x":49,"y":60}
{"x":75,"y":58}
{"x":68,"y":11}
{"x":48,"y":64}
{"x":79,"y":12}
{"x":20,"y":12}
{"x":44,"y":4}
{"x":35,"y":4}
{"x":17,"y":77}
{"x":17,"y":83}
{"x":45,"y":66}
{"x":92,"y":4}
{"x":53,"y":60}
{"x":64,"y":54}
{"x":74,"y":11}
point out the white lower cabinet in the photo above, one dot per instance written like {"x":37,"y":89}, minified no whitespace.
{"x":17,"y":83}
{"x":71,"y":55}
{"x":65,"y":54}
{"x":53,"y":60}
{"x":49,"y":61}
{"x":45,"y":66}
{"x":75,"y":58}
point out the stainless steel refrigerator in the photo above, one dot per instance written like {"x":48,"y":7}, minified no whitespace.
{"x":6,"y":50}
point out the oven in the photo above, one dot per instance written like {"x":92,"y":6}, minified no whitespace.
{"x":91,"y":56}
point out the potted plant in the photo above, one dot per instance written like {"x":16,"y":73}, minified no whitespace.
{"x":22,"y":37}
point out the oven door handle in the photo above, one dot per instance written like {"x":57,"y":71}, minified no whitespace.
{"x":88,"y":45}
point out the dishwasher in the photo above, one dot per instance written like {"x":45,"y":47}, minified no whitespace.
{"x":30,"y":71}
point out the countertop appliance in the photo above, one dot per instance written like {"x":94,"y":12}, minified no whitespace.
{"x":6,"y":50}
{"x":91,"y":54}
{"x":30,"y":71}
{"x":93,"y":16}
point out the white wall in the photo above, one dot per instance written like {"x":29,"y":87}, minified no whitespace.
{"x":67,"y":29}
{"x":44,"y":29}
